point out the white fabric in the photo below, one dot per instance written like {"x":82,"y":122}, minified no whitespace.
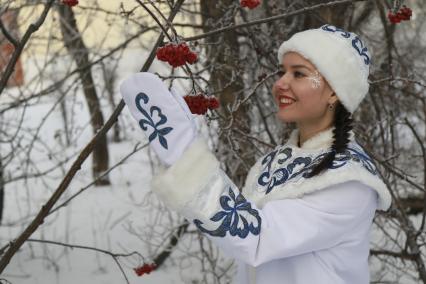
{"x":340,"y":56}
{"x":320,"y":237}
{"x":163,"y":115}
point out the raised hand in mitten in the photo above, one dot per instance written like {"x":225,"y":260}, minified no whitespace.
{"x":163,"y":115}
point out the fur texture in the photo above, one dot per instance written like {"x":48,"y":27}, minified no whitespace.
{"x":180,"y":183}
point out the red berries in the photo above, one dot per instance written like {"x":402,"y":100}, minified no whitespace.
{"x":146,"y":268}
{"x":176,"y":54}
{"x":70,"y":2}
{"x":251,"y":4}
{"x":199,"y":104}
{"x":404,"y":14}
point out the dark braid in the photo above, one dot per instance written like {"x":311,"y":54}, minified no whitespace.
{"x":343,"y":124}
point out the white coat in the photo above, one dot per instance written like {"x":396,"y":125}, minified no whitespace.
{"x":283,"y":227}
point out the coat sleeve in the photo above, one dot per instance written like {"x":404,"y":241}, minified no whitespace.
{"x":197,"y":188}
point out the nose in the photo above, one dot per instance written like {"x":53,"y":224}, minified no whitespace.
{"x":283,"y":82}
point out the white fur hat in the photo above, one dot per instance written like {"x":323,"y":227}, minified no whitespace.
{"x":340,"y":56}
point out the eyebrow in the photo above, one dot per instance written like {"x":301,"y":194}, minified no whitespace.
{"x":298,"y":66}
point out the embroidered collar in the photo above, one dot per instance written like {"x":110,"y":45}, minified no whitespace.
{"x":321,"y":140}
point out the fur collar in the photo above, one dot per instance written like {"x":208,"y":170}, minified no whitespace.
{"x":279,"y":174}
{"x":321,"y":140}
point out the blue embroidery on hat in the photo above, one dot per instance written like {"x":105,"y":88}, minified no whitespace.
{"x":301,"y":166}
{"x":357,"y":43}
{"x":233,"y":216}
{"x":362,"y":50}
{"x":330,"y":28}
{"x":149,"y":121}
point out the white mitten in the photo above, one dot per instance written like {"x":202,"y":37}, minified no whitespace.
{"x":163,"y":115}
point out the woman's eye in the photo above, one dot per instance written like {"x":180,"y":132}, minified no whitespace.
{"x":296,"y":74}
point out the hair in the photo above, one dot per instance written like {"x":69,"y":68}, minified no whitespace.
{"x":343,"y":124}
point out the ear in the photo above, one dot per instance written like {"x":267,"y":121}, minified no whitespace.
{"x":333,"y":98}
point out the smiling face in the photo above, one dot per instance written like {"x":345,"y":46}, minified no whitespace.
{"x":310,"y":93}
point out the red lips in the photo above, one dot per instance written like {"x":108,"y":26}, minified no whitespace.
{"x":284,"y":104}
{"x":284,"y":96}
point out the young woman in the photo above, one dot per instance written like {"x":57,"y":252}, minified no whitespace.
{"x":305,"y":211}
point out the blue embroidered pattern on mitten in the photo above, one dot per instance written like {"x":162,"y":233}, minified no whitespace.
{"x":232,"y":218}
{"x":270,"y":178}
{"x":143,"y":122}
{"x":356,"y":41}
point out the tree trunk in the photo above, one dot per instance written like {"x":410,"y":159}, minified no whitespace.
{"x":110,"y":77}
{"x":334,"y":15}
{"x":79,"y":52}
{"x":226,"y":79}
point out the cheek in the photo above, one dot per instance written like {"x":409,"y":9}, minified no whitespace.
{"x":306,"y":94}
{"x":311,"y":85}
{"x":274,"y":88}
{"x":310,"y":102}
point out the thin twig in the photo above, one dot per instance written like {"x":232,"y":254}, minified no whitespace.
{"x":6,"y":33}
{"x":20,"y":47}
{"x":113,"y":255}
{"x":135,"y":149}
{"x":271,"y":19}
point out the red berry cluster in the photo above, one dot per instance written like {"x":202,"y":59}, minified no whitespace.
{"x":251,"y":4}
{"x":146,"y":268}
{"x":199,"y":104}
{"x":70,"y":2}
{"x":176,"y":54}
{"x":404,"y":14}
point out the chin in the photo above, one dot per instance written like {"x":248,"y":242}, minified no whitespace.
{"x":285,"y":117}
